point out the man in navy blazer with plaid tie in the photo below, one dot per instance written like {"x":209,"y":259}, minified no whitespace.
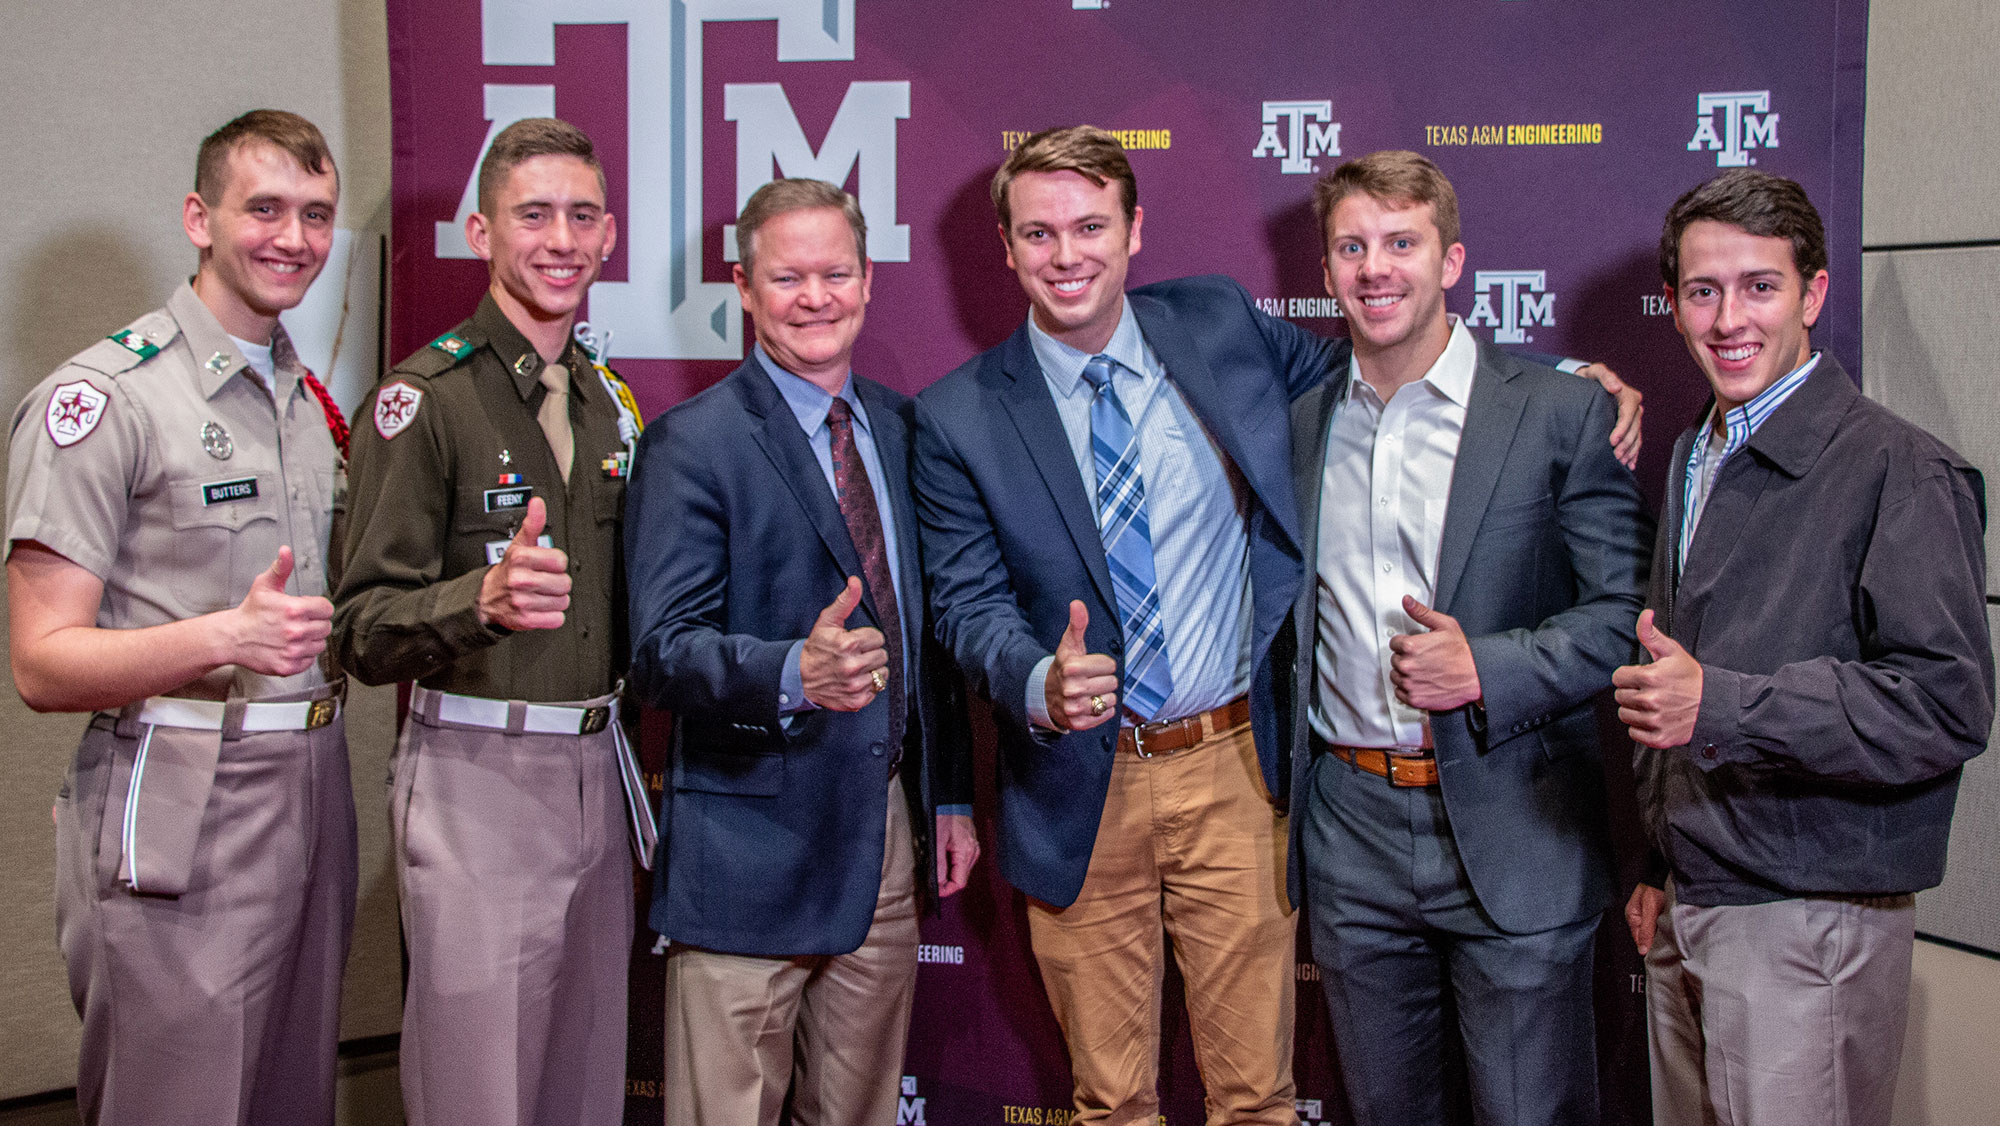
{"x":819,"y":747}
{"x":1150,"y":803}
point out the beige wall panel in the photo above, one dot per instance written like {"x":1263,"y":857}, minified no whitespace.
{"x":1931,"y":351}
{"x":1948,"y":1075}
{"x":1933,"y":132}
{"x":106,"y":101}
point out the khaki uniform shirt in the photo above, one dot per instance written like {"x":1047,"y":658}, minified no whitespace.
{"x":434,"y":453}
{"x":158,"y":461}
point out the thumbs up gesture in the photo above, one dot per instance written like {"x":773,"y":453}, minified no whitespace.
{"x":1082,"y":688}
{"x":837,"y":665}
{"x":1658,"y":701}
{"x":529,"y":587}
{"x":1433,"y":671}
{"x":279,"y":634}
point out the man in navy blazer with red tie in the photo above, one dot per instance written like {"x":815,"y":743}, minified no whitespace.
{"x":819,"y":761}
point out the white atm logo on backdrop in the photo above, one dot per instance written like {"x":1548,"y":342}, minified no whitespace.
{"x":667,"y":310}
{"x":1309,"y":131}
{"x":1747,"y":123}
{"x":1521,"y":304}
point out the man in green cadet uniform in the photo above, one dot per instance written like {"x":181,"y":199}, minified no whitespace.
{"x":482,"y":562}
{"x":170,"y":495}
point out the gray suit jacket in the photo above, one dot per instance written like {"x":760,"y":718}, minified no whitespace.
{"x":1543,"y":562}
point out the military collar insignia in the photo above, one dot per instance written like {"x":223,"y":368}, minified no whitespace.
{"x":216,"y":440}
{"x":217,"y":363}
{"x":135,"y":341}
{"x":527,"y":364}
{"x":453,"y":345}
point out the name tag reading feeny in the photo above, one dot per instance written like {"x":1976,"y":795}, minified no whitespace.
{"x":508,"y":500}
{"x":497,"y":548}
{"x":222,"y":492}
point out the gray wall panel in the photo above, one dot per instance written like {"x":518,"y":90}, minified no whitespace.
{"x":1933,"y":137}
{"x":1966,"y":907}
{"x":1931,"y":351}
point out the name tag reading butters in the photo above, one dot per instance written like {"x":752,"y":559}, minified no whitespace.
{"x":222,"y":492}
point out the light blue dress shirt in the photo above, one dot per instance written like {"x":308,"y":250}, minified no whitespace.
{"x":1197,"y":503}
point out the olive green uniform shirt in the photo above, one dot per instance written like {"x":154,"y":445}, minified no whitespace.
{"x":157,"y":460}
{"x":432,"y":502}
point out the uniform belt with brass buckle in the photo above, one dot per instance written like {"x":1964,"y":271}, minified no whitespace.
{"x":208,"y":715}
{"x":535,"y":719}
{"x":1173,"y":735}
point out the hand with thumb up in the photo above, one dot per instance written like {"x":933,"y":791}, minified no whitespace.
{"x":275,"y":633}
{"x":1433,"y":671}
{"x":837,"y":665}
{"x":1082,"y":688}
{"x":529,"y":587}
{"x":1658,"y":701}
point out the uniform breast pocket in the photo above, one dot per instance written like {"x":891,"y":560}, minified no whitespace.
{"x":609,"y":501}
{"x":233,"y":520}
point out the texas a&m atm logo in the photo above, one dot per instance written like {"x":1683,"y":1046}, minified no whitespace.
{"x":668,"y":309}
{"x":1298,"y":131}
{"x":1731,"y":124}
{"x":1511,"y":302}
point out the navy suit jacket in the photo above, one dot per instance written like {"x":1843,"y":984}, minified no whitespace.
{"x":1543,"y":562}
{"x":1010,"y":537}
{"x":771,"y":832}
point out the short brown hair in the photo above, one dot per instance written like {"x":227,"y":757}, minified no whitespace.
{"x":1753,"y":201}
{"x":526,"y":139}
{"x":1395,"y":176}
{"x":1086,"y":150}
{"x":785,"y":195}
{"x":294,"y":135}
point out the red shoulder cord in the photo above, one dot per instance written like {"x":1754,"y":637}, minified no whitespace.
{"x":336,"y":424}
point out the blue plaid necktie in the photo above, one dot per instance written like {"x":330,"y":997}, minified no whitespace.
{"x":1128,"y":543}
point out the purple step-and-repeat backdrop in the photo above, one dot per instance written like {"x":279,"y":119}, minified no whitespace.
{"x":1567,"y":125}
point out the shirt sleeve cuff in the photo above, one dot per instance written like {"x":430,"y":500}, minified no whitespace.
{"x":954,"y":811}
{"x":1038,"y":694}
{"x":1571,"y":366}
{"x":791,"y":683}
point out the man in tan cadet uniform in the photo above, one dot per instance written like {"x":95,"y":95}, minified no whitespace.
{"x":483,"y":562}
{"x":170,"y":495}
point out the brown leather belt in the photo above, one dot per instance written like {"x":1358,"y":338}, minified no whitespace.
{"x":1180,"y":734}
{"x":1399,"y":769}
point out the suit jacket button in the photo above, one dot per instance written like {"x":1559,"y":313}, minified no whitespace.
{"x":875,"y":749}
{"x":1708,"y":751}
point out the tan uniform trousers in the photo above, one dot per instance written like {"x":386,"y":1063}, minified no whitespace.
{"x":516,"y":879}
{"x":220,"y":1004}
{"x":741,"y":1031}
{"x":1189,"y":846}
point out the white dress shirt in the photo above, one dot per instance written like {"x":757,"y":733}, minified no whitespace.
{"x":1383,"y":492}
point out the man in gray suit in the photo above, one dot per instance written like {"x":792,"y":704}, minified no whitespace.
{"x":1477,"y":556}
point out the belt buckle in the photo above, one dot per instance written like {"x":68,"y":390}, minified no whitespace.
{"x":1139,"y":741}
{"x":320,"y":713}
{"x":595,"y":720}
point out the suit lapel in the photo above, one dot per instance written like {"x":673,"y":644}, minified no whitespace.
{"x":1310,"y":416}
{"x":1492,"y":415}
{"x":1033,"y":411}
{"x":784,"y":442}
{"x":1260,"y":464}
{"x":892,"y":449}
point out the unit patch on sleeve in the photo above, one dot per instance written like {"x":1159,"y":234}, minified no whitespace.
{"x":75,"y":409}
{"x":396,"y":407}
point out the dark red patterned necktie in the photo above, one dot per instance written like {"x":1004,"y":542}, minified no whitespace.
{"x":856,"y":495}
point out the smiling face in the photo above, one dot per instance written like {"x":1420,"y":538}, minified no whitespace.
{"x":806,"y":292}
{"x":544,"y":243}
{"x":1069,"y":244}
{"x":264,"y":239}
{"x":1743,"y":308}
{"x":1388,"y":266}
